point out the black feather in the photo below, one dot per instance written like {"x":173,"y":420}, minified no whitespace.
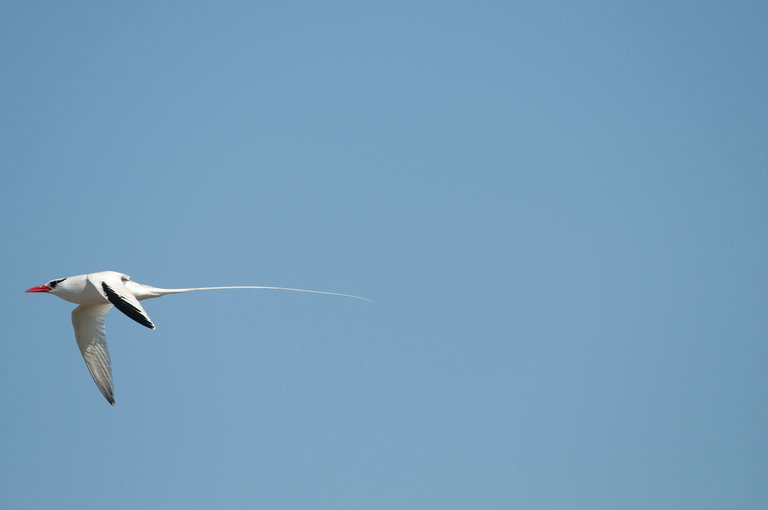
{"x":127,"y":308}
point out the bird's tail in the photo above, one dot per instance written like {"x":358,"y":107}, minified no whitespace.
{"x":157,"y":292}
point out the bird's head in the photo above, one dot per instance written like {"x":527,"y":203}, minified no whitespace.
{"x":47,"y":287}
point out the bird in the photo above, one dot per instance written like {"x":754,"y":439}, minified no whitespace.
{"x":97,"y":293}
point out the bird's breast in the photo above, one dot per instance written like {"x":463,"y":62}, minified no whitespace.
{"x":81,"y":292}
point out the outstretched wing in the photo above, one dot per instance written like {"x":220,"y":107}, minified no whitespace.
{"x":91,"y":335}
{"x":114,"y":290}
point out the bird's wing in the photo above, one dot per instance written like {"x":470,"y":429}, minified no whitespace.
{"x":114,"y":290}
{"x":88,"y":321}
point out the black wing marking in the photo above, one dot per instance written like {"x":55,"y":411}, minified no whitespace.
{"x":126,"y":307}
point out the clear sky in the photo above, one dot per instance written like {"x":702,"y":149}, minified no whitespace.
{"x":560,"y":209}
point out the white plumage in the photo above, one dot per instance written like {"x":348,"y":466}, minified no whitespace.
{"x":97,"y":293}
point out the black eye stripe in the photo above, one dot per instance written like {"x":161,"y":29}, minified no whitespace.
{"x":53,"y":283}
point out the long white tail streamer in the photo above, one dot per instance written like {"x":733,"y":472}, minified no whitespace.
{"x":177,"y":291}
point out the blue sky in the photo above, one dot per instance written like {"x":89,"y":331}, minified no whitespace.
{"x":559,"y":209}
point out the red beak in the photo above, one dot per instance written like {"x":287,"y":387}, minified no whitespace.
{"x":39,"y":288}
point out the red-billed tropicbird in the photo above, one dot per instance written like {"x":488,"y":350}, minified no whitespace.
{"x":97,"y":293}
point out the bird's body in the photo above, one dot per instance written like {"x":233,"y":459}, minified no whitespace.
{"x":83,"y":289}
{"x":97,"y":293}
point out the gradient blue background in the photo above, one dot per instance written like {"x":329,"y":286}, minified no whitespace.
{"x":558,"y":207}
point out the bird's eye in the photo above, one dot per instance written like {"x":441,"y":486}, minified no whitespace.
{"x":53,"y":283}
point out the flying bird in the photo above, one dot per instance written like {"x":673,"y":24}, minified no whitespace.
{"x":97,"y":293}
